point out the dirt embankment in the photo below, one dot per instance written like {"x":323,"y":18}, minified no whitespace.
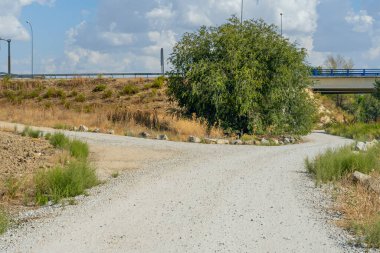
{"x":20,"y":158}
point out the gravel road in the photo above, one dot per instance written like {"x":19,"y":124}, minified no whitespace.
{"x":200,"y":198}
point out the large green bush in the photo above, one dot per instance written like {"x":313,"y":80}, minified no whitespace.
{"x":244,"y":77}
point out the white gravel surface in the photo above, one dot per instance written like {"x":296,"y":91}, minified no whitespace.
{"x":202,"y":198}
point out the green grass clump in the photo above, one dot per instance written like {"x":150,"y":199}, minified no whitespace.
{"x":29,"y":132}
{"x":107,"y":93}
{"x":337,"y":163}
{"x":59,"y":140}
{"x":64,"y":182}
{"x":4,"y":221}
{"x":78,"y":149}
{"x":80,"y":98}
{"x":61,"y":126}
{"x":54,"y":93}
{"x":130,"y":89}
{"x":358,"y":131}
{"x":159,"y":82}
{"x":99,"y":88}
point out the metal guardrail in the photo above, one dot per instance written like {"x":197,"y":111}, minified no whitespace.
{"x":84,"y":75}
{"x":345,"y":73}
{"x":314,"y":73}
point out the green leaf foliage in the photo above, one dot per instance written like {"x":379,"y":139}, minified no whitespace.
{"x":244,"y":77}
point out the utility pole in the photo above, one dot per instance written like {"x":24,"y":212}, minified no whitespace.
{"x":281,"y":22}
{"x":9,"y":55}
{"x":162,"y":62}
{"x":31,"y":29}
{"x":241,"y":14}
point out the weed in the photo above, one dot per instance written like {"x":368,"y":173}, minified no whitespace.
{"x":107,"y":93}
{"x":159,"y":82}
{"x":130,"y":89}
{"x":54,"y":93}
{"x":358,"y":131}
{"x":11,"y":185}
{"x":115,"y":174}
{"x":73,"y":93}
{"x":4,"y":221}
{"x":29,"y":132}
{"x":61,"y":126}
{"x":99,"y":88}
{"x":64,"y":182}
{"x":80,"y":98}
{"x":59,"y":140}
{"x":78,"y":149}
{"x":337,"y":163}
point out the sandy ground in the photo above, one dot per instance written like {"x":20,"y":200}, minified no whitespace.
{"x":197,"y":198}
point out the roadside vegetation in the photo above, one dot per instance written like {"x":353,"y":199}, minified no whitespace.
{"x":64,"y":174}
{"x":127,"y":106}
{"x":357,"y":200}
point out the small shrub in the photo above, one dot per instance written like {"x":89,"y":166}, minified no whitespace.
{"x":64,"y":182}
{"x":4,"y":221}
{"x":59,"y":140}
{"x":372,"y":234}
{"x":11,"y":186}
{"x":80,"y":98}
{"x":130,"y":89}
{"x":54,"y":93}
{"x":73,"y":93}
{"x":29,"y":132}
{"x":115,"y":174}
{"x":159,"y":82}
{"x":99,"y":88}
{"x":107,"y":93}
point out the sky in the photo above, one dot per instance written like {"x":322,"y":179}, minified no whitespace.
{"x":77,"y":36}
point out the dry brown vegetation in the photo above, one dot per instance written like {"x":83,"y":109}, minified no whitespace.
{"x":128,"y":106}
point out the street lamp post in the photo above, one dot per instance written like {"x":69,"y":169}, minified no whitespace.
{"x":9,"y":55}
{"x":31,"y":30}
{"x":281,"y":22}
{"x":241,"y":11}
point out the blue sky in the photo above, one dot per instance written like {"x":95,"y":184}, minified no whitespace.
{"x":126,"y":35}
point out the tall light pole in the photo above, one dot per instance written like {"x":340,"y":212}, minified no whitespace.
{"x":9,"y":55}
{"x":31,"y":30}
{"x":281,"y":14}
{"x":241,"y":14}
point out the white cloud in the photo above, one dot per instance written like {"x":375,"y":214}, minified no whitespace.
{"x":10,"y":25}
{"x":162,"y":12}
{"x":361,"y":21}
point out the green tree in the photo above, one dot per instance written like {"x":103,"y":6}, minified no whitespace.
{"x":244,"y":77}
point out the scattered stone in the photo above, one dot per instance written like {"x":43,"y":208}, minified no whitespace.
{"x":222,"y":142}
{"x":96,"y":130}
{"x":210,"y":141}
{"x":258,"y":143}
{"x":75,"y":129}
{"x":372,"y":184}
{"x":286,"y":140}
{"x":237,"y":142}
{"x":144,"y":135}
{"x":111,"y":131}
{"x":251,"y":142}
{"x":371,"y":144}
{"x":281,"y":143}
{"x":361,"y":146}
{"x":275,"y":141}
{"x":194,"y":139}
{"x":162,"y":137}
{"x":265,"y":141}
{"x":83,"y":128}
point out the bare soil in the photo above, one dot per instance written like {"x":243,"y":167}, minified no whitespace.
{"x":21,"y":156}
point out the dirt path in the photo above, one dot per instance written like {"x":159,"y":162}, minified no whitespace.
{"x":199,"y":198}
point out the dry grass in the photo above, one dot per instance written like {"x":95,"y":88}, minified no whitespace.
{"x":148,"y":109}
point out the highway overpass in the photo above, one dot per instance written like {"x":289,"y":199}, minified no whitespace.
{"x":344,"y":81}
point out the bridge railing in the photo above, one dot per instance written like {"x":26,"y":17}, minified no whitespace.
{"x":84,"y":75}
{"x":345,"y":72}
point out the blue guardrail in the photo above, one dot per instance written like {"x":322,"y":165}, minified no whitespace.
{"x":345,"y":72}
